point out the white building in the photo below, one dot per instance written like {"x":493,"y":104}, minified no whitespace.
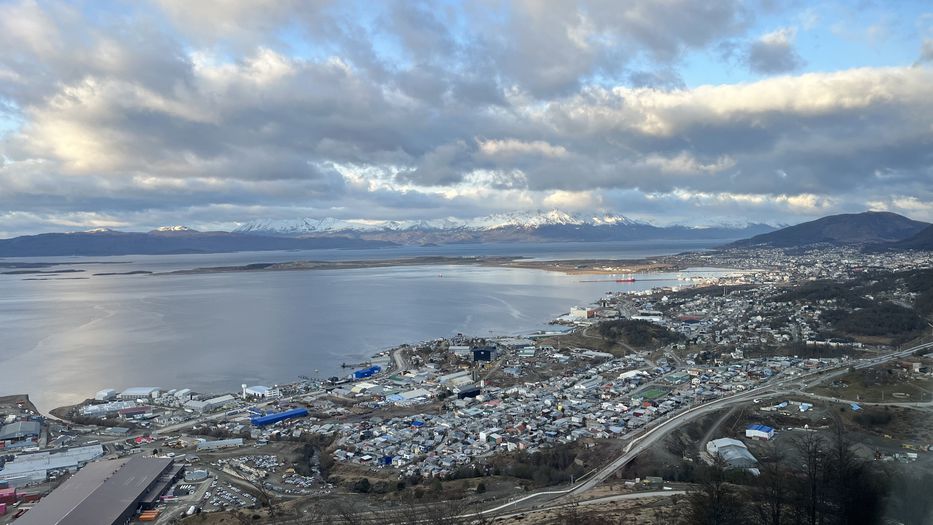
{"x":210,"y":404}
{"x":582,"y":312}
{"x":759,"y":432}
{"x":462,"y":351}
{"x":257,"y":391}
{"x":139,"y":392}
{"x":733,"y":452}
{"x":219,"y":444}
{"x":453,"y":377}
{"x":183,"y":395}
{"x":107,"y":394}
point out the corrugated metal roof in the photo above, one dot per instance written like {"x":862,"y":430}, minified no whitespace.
{"x":34,"y":466}
{"x":99,"y":493}
{"x":19,"y":429}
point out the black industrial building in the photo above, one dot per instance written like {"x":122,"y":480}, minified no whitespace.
{"x":484,"y":354}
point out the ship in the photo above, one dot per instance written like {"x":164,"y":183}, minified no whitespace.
{"x":628,"y":279}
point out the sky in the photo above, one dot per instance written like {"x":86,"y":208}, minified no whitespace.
{"x":133,"y":115}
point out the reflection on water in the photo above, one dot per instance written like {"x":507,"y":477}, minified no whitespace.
{"x":64,"y":340}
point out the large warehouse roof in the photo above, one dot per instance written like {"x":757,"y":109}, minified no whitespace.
{"x":100,"y":493}
{"x":19,"y":429}
{"x":33,"y":467}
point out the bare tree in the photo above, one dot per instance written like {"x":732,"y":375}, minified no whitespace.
{"x":772,"y":488}
{"x":811,"y":448}
{"x":716,"y":501}
{"x":910,"y":502}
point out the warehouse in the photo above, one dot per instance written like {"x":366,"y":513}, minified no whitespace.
{"x":257,"y":391}
{"x":488,"y":353}
{"x":733,"y":452}
{"x":220,"y":443}
{"x":20,"y":430}
{"x":105,"y":492}
{"x":278,"y":416}
{"x":211,"y":404}
{"x":140,"y":392}
{"x":107,"y":394}
{"x":34,"y":468}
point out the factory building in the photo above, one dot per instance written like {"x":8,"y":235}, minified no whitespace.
{"x":487,"y":353}
{"x":19,"y":433}
{"x":183,"y":395}
{"x":105,"y":493}
{"x":104,"y":409}
{"x":35,"y":467}
{"x":211,"y":404}
{"x":220,"y":444}
{"x":140,"y":392}
{"x":257,"y":391}
{"x":107,"y":394}
{"x":269,"y":419}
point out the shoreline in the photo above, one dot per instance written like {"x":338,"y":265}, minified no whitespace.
{"x":566,"y":266}
{"x":569,"y":267}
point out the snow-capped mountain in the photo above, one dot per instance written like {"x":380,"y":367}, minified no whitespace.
{"x":174,"y":229}
{"x":519,"y":220}
{"x":524,"y":226}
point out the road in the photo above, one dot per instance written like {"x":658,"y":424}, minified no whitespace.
{"x":653,"y":433}
{"x":598,"y":501}
{"x":668,"y":424}
{"x":401,"y":363}
{"x":371,"y":516}
{"x":910,"y":404}
{"x":701,"y":444}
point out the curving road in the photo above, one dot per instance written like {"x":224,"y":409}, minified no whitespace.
{"x":668,"y":423}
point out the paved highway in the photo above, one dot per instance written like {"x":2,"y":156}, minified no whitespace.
{"x":668,"y":424}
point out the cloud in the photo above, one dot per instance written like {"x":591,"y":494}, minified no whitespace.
{"x":513,"y":147}
{"x":572,"y":200}
{"x":418,"y":111}
{"x":774,"y":53}
{"x":926,"y":52}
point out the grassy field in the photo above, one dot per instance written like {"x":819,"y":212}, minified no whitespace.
{"x":914,"y":390}
{"x":653,"y":393}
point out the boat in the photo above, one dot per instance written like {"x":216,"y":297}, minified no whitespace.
{"x":626,"y":280}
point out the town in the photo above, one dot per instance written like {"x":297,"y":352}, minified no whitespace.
{"x":753,"y":358}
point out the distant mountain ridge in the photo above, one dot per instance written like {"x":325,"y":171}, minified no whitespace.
{"x":306,"y":233}
{"x":522,"y":220}
{"x":865,"y":228}
{"x":923,"y":240}
{"x":537,"y":226}
{"x":175,"y":240}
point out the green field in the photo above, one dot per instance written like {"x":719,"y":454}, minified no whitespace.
{"x":653,"y":393}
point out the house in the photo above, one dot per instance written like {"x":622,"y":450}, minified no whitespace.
{"x":759,"y":432}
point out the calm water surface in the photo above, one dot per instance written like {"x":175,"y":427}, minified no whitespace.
{"x":62,"y":340}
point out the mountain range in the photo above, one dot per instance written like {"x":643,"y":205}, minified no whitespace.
{"x":519,"y":220}
{"x":872,"y":230}
{"x":306,"y":233}
{"x":169,"y":240}
{"x":539,"y":226}
{"x":879,"y":229}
